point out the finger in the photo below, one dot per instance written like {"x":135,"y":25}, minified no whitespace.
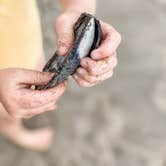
{"x":105,"y":65}
{"x":53,"y":93}
{"x":35,"y":98}
{"x":111,"y":40}
{"x":32,"y":112}
{"x":32,"y":77}
{"x":83,"y":74}
{"x":99,"y":67}
{"x":82,"y":82}
{"x":64,"y":31}
{"x":105,"y":76}
{"x":36,"y":111}
{"x":88,"y":64}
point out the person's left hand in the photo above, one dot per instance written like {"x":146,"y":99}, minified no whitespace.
{"x":99,"y":66}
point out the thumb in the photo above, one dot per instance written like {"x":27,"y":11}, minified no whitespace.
{"x":64,"y":31}
{"x":33,"y":77}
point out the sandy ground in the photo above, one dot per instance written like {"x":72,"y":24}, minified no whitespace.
{"x":121,"y":122}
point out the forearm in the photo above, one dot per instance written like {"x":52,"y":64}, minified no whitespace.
{"x":79,"y":5}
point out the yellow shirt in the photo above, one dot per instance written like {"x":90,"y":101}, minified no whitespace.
{"x":20,"y":34}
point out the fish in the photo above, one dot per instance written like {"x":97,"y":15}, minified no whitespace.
{"x":87,"y":37}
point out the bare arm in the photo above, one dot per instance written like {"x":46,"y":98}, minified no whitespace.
{"x":79,"y":5}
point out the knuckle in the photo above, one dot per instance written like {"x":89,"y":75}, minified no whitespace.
{"x":82,"y":72}
{"x":114,"y":34}
{"x":88,"y":78}
{"x":64,"y":42}
{"x":81,"y":83}
{"x":79,"y":70}
{"x":108,"y":27}
{"x":93,"y":71}
{"x":118,"y":36}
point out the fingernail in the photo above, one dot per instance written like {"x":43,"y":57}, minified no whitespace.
{"x":62,"y":50}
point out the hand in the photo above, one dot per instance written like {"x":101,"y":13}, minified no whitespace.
{"x":20,"y":100}
{"x":64,"y":30}
{"x":102,"y":61}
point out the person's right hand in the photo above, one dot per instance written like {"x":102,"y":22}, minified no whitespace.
{"x":20,"y":100}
